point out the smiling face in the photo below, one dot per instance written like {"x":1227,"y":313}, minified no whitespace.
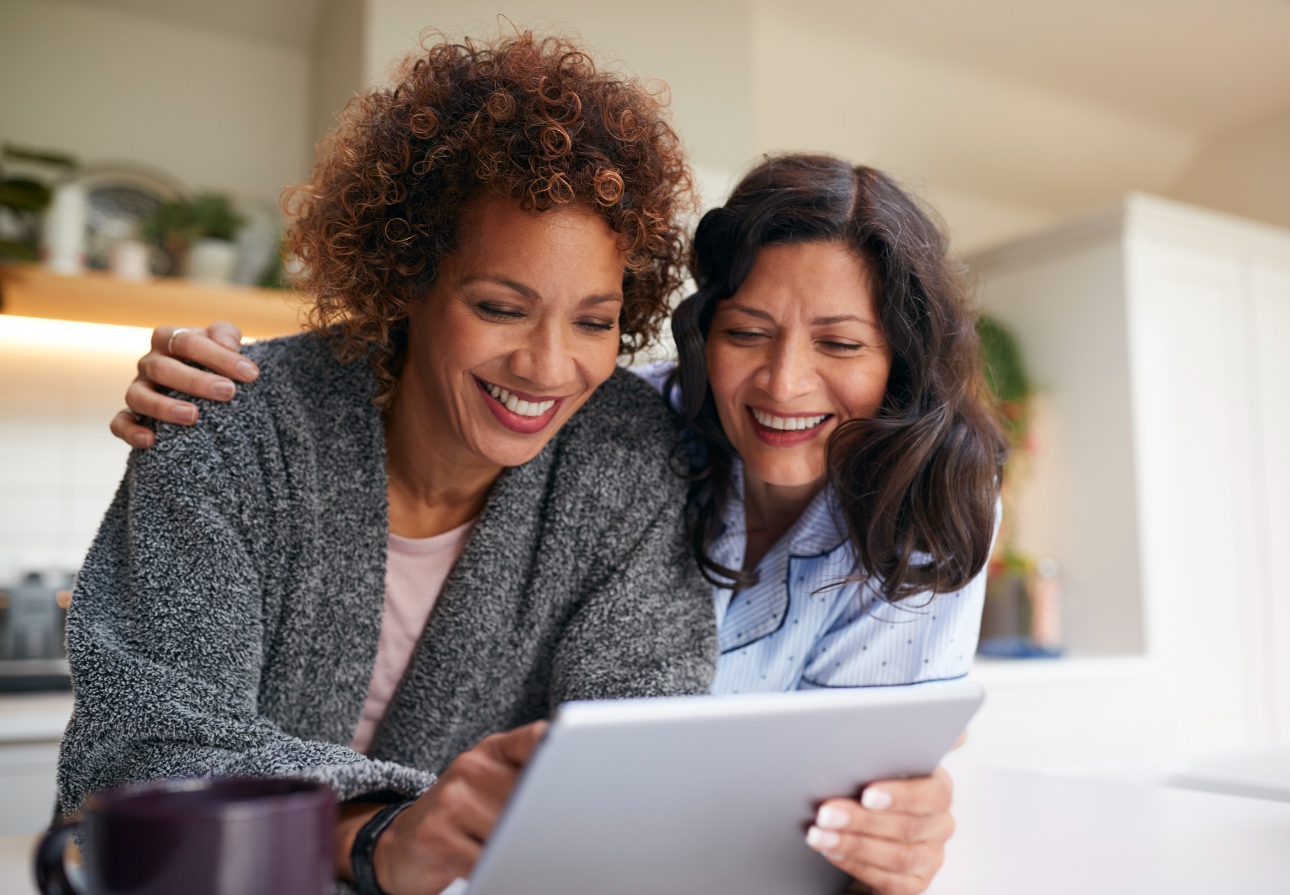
{"x":795,"y":352}
{"x":520,"y":328}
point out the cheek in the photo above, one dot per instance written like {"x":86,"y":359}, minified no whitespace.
{"x":724,"y":376}
{"x":862,"y":395}
{"x":599,"y":361}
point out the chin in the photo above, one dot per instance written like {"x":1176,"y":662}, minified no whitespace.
{"x":784,"y":474}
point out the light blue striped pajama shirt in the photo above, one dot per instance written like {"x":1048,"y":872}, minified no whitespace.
{"x":804,"y":626}
{"x":798,"y":628}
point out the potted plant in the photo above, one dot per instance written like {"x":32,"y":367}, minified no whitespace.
{"x":1020,"y":615}
{"x":198,"y":234}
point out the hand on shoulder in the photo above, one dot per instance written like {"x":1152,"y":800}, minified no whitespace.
{"x":217,"y":347}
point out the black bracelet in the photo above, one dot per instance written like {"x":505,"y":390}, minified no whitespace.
{"x":360,"y":855}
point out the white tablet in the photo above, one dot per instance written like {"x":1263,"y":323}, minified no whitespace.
{"x":707,"y":795}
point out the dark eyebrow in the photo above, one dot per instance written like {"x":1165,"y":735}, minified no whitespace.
{"x":526,"y":291}
{"x":818,"y":321}
{"x":751,"y":312}
{"x":532,"y":294}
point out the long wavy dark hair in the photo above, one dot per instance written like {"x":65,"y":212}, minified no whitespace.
{"x":917,"y":483}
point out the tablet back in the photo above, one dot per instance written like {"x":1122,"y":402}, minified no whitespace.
{"x":707,"y":795}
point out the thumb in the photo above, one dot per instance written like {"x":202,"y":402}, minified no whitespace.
{"x":516,"y":746}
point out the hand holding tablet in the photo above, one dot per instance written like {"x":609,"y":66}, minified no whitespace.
{"x":703,"y":795}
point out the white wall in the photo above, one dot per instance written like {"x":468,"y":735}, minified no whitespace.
{"x":338,"y":72}
{"x":216,"y":110}
{"x":699,"y":49}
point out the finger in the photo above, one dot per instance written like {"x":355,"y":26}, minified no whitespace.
{"x":918,"y":795}
{"x":898,"y":857}
{"x":843,"y":815}
{"x":469,"y":809}
{"x":143,"y":399}
{"x":195,"y":345}
{"x":127,"y":428}
{"x":487,"y":774}
{"x":515,"y":746}
{"x":177,"y":375}
{"x":227,"y":334}
{"x":960,"y":741}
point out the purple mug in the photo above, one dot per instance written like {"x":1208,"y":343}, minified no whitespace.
{"x":213,"y":836}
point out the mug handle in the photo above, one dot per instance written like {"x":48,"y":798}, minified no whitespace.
{"x":51,"y":867}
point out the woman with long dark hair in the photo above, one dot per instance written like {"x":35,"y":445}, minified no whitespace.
{"x":843,"y":466}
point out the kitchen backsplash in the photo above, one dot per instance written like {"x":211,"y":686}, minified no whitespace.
{"x":59,"y":464}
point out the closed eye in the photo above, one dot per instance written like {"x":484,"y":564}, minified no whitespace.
{"x":498,"y":313}
{"x":601,"y":326}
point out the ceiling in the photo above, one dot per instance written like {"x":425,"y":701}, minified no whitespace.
{"x":1204,"y":64}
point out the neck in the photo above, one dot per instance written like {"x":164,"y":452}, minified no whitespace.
{"x":434,"y":483}
{"x":770,"y":511}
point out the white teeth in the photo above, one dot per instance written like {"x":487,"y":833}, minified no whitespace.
{"x":517,"y":406}
{"x":789,"y":423}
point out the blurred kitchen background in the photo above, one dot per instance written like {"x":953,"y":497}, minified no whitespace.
{"x":1116,"y":174}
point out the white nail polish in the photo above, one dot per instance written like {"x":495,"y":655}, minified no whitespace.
{"x":830,"y":818}
{"x":822,"y":839}
{"x":834,"y":855}
{"x":876,"y":799}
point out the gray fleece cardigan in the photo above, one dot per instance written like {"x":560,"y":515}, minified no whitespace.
{"x":226,"y":618}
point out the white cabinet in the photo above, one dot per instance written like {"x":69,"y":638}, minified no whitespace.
{"x":1160,"y":337}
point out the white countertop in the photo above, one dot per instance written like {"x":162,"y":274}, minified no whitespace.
{"x":15,"y":865}
{"x":34,"y":717}
{"x":1038,"y":834}
{"x":1024,"y":833}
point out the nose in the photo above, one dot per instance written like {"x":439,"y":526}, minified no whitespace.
{"x":545,"y":358}
{"x":788,"y":373}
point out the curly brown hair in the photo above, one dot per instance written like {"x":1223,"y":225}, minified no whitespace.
{"x":531,"y":119}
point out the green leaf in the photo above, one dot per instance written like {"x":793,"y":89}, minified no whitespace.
{"x":41,"y":156}
{"x":1002,"y":362}
{"x":22,"y":194}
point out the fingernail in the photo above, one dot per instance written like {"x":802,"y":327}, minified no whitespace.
{"x":830,"y":818}
{"x":222,"y":391}
{"x":186,"y":413}
{"x":876,"y":799}
{"x":822,"y":839}
{"x":247,"y":370}
{"x":141,"y":440}
{"x":834,"y":855}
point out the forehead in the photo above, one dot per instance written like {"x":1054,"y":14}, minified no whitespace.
{"x":808,"y":281}
{"x":498,"y":231}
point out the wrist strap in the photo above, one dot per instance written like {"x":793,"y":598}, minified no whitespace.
{"x":360,"y":855}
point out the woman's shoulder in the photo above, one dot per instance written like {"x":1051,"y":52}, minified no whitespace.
{"x":307,"y":363}
{"x":624,"y":429}
{"x":303,"y":388}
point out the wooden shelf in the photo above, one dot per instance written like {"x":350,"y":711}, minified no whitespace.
{"x":28,"y":290}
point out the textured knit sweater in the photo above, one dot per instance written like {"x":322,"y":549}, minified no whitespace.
{"x":226,"y":618}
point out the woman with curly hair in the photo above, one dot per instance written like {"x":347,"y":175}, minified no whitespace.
{"x":481,"y":243}
{"x":843,"y":468}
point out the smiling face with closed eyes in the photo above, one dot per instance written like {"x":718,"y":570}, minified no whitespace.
{"x":520,"y":328}
{"x":794,"y":353}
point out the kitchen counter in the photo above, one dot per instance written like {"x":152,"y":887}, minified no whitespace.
{"x":1024,"y":833}
{"x":31,"y":725}
{"x":34,"y":717}
{"x":15,"y":865}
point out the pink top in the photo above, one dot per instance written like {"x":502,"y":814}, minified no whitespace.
{"x":415,"y":570}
